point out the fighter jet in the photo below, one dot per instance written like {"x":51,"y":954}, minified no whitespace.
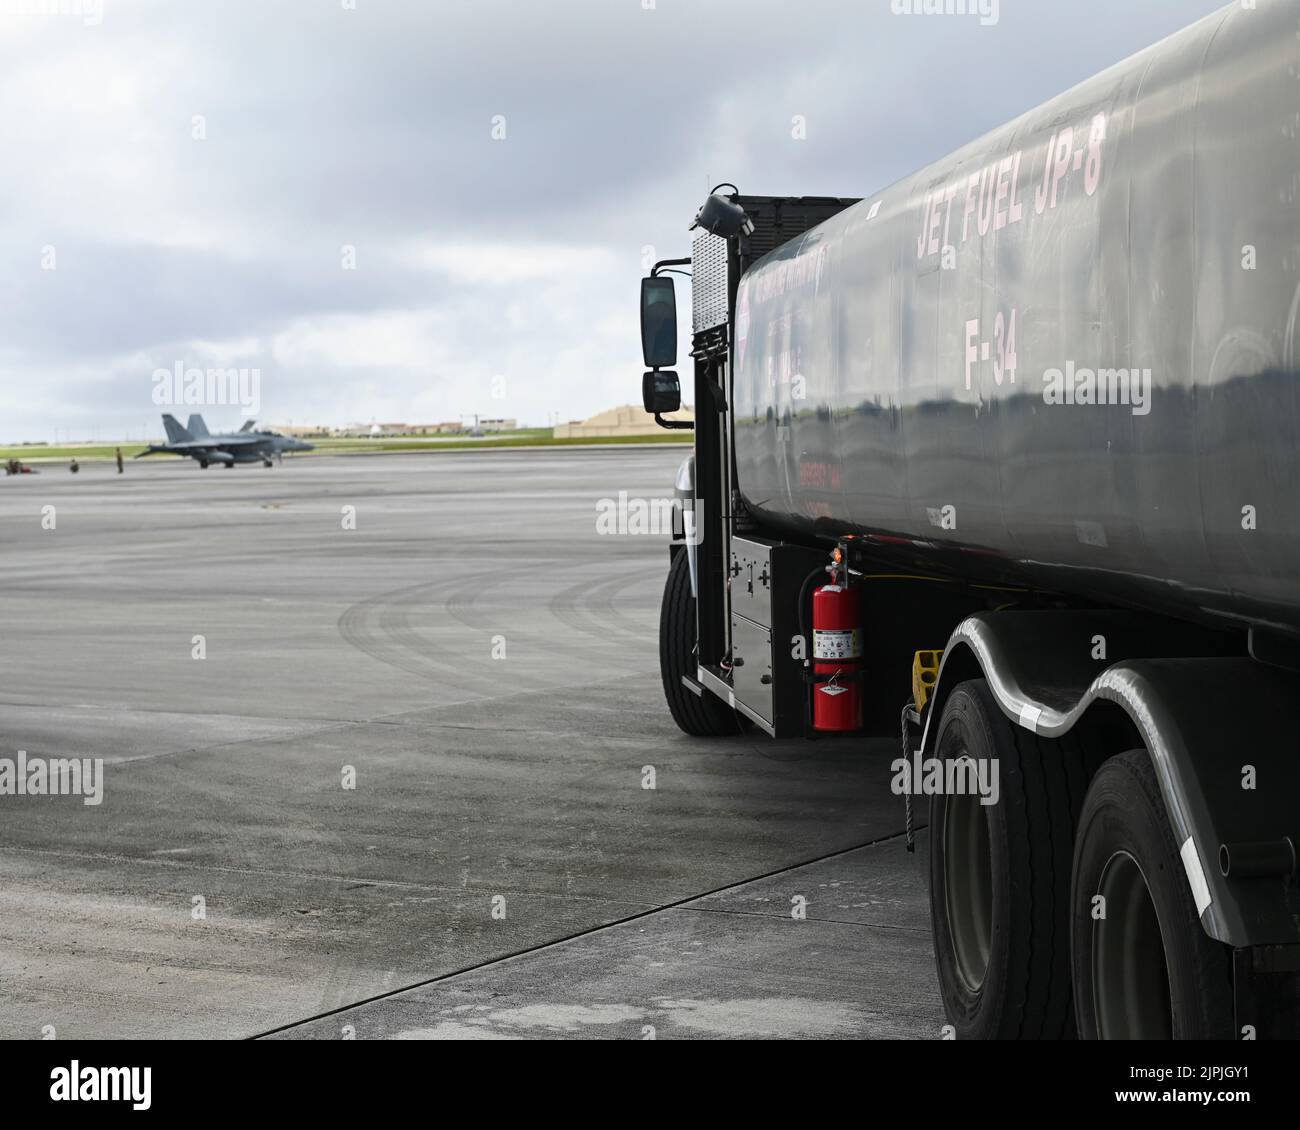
{"x":243,"y":446}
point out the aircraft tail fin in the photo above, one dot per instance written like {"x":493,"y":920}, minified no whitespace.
{"x":175,"y":433}
{"x":248,"y":425}
{"x":197,"y":428}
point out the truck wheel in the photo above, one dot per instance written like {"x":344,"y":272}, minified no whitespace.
{"x":1147,"y":970}
{"x":999,"y":877}
{"x":701,"y":716}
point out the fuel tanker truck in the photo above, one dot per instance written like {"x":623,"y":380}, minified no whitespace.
{"x":1003,"y":463}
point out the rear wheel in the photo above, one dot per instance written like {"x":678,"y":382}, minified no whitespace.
{"x":1000,"y":875}
{"x":702,"y":715}
{"x":1143,"y":966}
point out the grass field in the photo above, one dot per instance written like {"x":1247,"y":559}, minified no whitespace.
{"x":540,"y":437}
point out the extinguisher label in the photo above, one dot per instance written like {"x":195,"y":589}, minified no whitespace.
{"x":837,"y":645}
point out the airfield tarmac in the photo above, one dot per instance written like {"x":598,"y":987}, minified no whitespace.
{"x":486,"y":665}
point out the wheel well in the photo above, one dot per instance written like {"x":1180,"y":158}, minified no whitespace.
{"x":959,"y":665}
{"x":1106,"y":730}
{"x":1157,"y":691}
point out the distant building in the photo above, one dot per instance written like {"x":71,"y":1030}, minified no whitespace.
{"x":422,"y":429}
{"x":302,"y":431}
{"x":373,"y":431}
{"x":628,"y":420}
{"x":499,"y":425}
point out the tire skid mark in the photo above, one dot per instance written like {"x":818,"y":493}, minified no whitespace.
{"x":375,"y":627}
{"x":613,"y":628}
{"x":589,"y":608}
{"x":382,"y":627}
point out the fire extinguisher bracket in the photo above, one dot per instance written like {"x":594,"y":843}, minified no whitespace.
{"x":853,"y":676}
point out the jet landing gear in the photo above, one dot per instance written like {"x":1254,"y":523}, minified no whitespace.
{"x":265,"y":461}
{"x":203,"y":464}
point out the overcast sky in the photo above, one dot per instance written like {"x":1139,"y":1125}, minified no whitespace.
{"x":492,"y":276}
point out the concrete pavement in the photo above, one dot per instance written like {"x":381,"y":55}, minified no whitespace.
{"x":482,"y":665}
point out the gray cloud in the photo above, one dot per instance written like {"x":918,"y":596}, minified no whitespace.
{"x":476,"y":258}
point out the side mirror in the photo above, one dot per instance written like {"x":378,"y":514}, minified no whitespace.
{"x":661,"y":392}
{"x":659,"y":321}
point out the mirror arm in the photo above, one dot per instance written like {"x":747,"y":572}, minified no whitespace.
{"x":654,"y":273}
{"x":675,"y":425}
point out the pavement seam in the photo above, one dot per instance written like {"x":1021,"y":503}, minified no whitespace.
{"x":527,"y":951}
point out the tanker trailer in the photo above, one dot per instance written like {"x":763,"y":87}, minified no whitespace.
{"x":1003,"y":459}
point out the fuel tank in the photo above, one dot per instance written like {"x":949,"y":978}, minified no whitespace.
{"x":1066,"y":354}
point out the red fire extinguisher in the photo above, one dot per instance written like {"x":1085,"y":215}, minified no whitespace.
{"x":837,"y":659}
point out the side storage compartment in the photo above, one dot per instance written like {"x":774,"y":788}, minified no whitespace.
{"x":764,"y":579}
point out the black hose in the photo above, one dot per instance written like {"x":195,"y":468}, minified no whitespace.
{"x":907,"y":796}
{"x":803,"y":611}
{"x":804,"y":591}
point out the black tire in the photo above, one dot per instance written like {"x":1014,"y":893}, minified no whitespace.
{"x":701,"y":716}
{"x":1000,"y":877}
{"x":1148,"y":969}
